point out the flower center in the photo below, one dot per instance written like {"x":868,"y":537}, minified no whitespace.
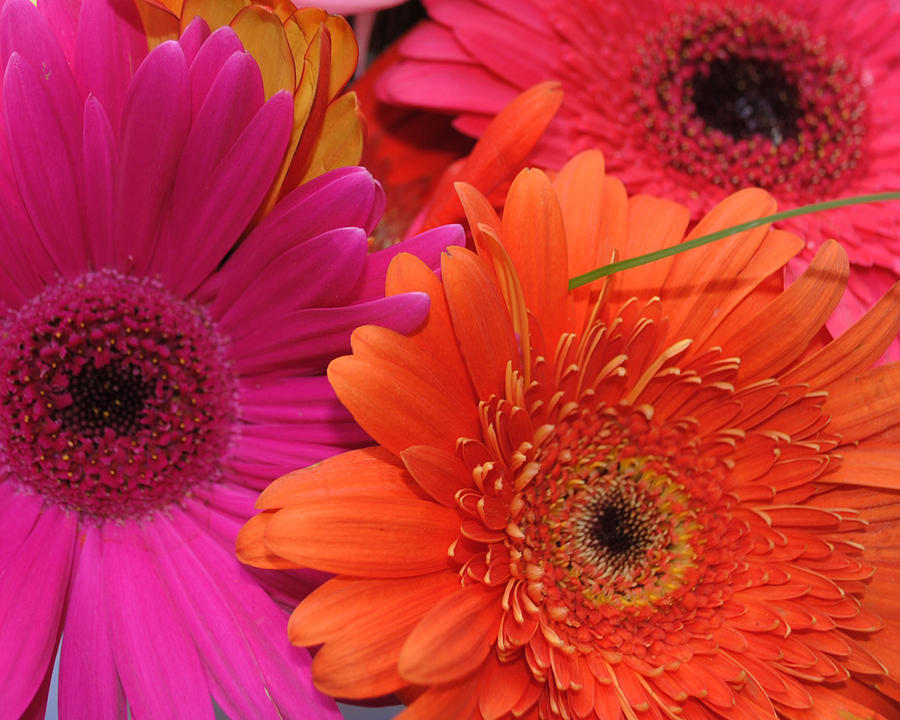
{"x":744,"y":96}
{"x":622,"y":517}
{"x":115,"y":396}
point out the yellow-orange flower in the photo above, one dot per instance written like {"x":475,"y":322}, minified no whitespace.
{"x":663,"y":496}
{"x":307,"y":52}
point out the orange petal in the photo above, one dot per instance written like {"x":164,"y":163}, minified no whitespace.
{"x":407,"y":273}
{"x":364,"y":624}
{"x":752,"y":289}
{"x":864,"y":404}
{"x":160,"y":20}
{"x":481,"y":321}
{"x":502,"y":685}
{"x":653,"y":224}
{"x":783,"y":329}
{"x":579,"y":189}
{"x":440,"y":473}
{"x":216,"y":13}
{"x":369,"y":470}
{"x":458,"y":701}
{"x":696,"y":275}
{"x":344,"y":53}
{"x":340,"y":141}
{"x":252,"y":550}
{"x":871,"y":466}
{"x":262,"y":34}
{"x":535,"y":238}
{"x":857,"y":349}
{"x":501,"y":150}
{"x":365,"y":536}
{"x":454,"y":638}
{"x":399,"y":408}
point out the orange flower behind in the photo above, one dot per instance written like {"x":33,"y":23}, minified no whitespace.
{"x":665,"y":495}
{"x":307,"y":52}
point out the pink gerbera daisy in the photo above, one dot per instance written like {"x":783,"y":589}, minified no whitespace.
{"x":161,"y":358}
{"x":693,"y":100}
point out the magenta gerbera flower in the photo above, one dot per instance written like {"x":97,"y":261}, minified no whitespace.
{"x":693,"y":100}
{"x":161,"y":359}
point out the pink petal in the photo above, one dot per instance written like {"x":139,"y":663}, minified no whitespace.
{"x":89,"y":686}
{"x":290,"y":400}
{"x":99,"y":157}
{"x":210,"y":211}
{"x":18,"y":515}
{"x":37,"y":710}
{"x":155,"y":122}
{"x":193,"y":37}
{"x":43,"y":165}
{"x":24,"y":30}
{"x":449,"y":87}
{"x":426,"y":246}
{"x":340,"y":198}
{"x":259,"y":461}
{"x":307,"y":339}
{"x":62,"y":16}
{"x":26,"y":263}
{"x":254,"y":670}
{"x":319,"y":272}
{"x":430,"y":41}
{"x":33,"y":586}
{"x":525,"y":12}
{"x":210,"y":59}
{"x":153,"y":651}
{"x":344,"y":432}
{"x":111,"y":44}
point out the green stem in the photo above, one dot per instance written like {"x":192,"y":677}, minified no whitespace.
{"x":615,"y":267}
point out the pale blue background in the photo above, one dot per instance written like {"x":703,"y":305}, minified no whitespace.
{"x":350,"y":712}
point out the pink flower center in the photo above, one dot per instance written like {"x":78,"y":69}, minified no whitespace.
{"x":115,"y":396}
{"x":744,"y":96}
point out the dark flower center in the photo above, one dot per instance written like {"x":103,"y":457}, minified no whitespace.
{"x":744,"y":97}
{"x":115,"y":396}
{"x":741,"y":96}
{"x":620,"y":529}
{"x":107,"y":398}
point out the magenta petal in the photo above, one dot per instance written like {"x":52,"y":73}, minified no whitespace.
{"x":155,"y":122}
{"x":62,"y":16}
{"x":89,"y":687}
{"x":18,"y":515}
{"x":414,"y":83}
{"x":210,"y":59}
{"x":343,"y":433}
{"x":24,"y":30}
{"x":290,"y":400}
{"x":33,"y":588}
{"x":219,"y":187}
{"x":427,"y":246}
{"x":43,"y":166}
{"x":255,"y":671}
{"x":99,"y":157}
{"x":431,"y":41}
{"x":153,"y":651}
{"x":110,"y":45}
{"x":321,"y":272}
{"x":25,"y":261}
{"x":340,"y":198}
{"x":304,"y":341}
{"x":193,"y":37}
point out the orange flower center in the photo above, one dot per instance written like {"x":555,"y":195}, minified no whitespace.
{"x":624,"y":531}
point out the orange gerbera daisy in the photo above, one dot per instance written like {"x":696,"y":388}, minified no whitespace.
{"x":307,"y":52}
{"x":666,"y":495}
